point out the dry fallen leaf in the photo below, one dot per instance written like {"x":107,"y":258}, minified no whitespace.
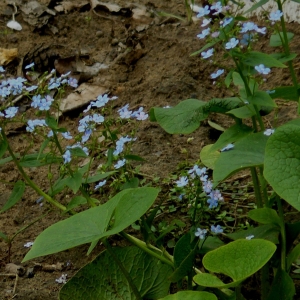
{"x":7,"y":55}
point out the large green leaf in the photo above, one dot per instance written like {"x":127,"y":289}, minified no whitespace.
{"x":265,"y":216}
{"x":238,"y":260}
{"x":262,"y":98}
{"x":244,"y":112}
{"x":282,"y":162}
{"x":183,"y":118}
{"x":90,"y":225}
{"x":15,"y":196}
{"x":191,"y":295}
{"x":247,"y":152}
{"x":102,"y":279}
{"x":254,"y":58}
{"x":221,"y":105}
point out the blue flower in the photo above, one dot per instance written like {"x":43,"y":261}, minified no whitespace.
{"x":29,"y":66}
{"x":140,"y":115}
{"x":269,"y":132}
{"x":124,"y":112}
{"x":226,"y":22}
{"x":207,"y":186}
{"x":31,"y":124}
{"x":67,"y":135}
{"x":205,"y":22}
{"x":31,"y":88}
{"x":207,"y":54}
{"x":73,"y":82}
{"x":275,"y":16}
{"x":250,"y":237}
{"x":213,"y":203}
{"x":203,"y":11}
{"x":216,"y":229}
{"x":201,"y":233}
{"x":120,"y":163}
{"x":183,"y":181}
{"x":262,"y":69}
{"x":100,"y":184}
{"x":217,"y":7}
{"x":232,"y":43}
{"x":270,"y":92}
{"x":204,"y":33}
{"x":11,"y":112}
{"x":247,"y":38}
{"x":67,"y":157}
{"x":248,"y":26}
{"x":1,"y":69}
{"x":36,"y":100}
{"x":228,"y":147}
{"x":97,"y":118}
{"x":217,"y":74}
{"x":45,"y":103}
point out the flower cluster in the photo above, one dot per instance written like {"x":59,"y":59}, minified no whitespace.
{"x":120,"y":144}
{"x":214,"y":196}
{"x":126,"y":114}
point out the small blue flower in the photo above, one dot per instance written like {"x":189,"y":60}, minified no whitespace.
{"x":269,"y":131}
{"x":207,"y":186}
{"x":207,"y":54}
{"x":73,"y":82}
{"x":232,"y":43}
{"x":213,"y":203}
{"x":270,"y":92}
{"x":97,"y":118}
{"x":31,"y":124}
{"x":262,"y":30}
{"x":29,"y":66}
{"x":250,"y":237}
{"x":275,"y":16}
{"x":1,"y":69}
{"x":44,"y":104}
{"x":36,"y":100}
{"x":216,"y":229}
{"x":262,"y":69}
{"x":120,"y":163}
{"x":86,"y":136}
{"x":248,"y":26}
{"x":201,"y":233}
{"x":100,"y":184}
{"x":140,"y":115}
{"x":183,"y":181}
{"x":226,"y":22}
{"x":67,"y":157}
{"x":228,"y":147}
{"x":67,"y":135}
{"x":31,"y":88}
{"x":203,"y":11}
{"x":11,"y":112}
{"x":217,"y":74}
{"x":204,"y":33}
{"x":247,"y":38}
{"x":217,"y":8}
{"x":205,"y":22}
{"x":124,"y":112}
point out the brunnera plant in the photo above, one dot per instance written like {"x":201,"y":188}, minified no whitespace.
{"x":147,"y":269}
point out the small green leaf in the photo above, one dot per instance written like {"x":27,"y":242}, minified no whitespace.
{"x":51,"y":122}
{"x":38,"y":160}
{"x":275,"y":39}
{"x":208,"y":45}
{"x":215,"y":125}
{"x":283,"y":287}
{"x":256,"y":5}
{"x":286,"y":93}
{"x":262,"y":98}
{"x":3,"y":147}
{"x":238,"y":260}
{"x":268,"y":232}
{"x":231,"y":135}
{"x":134,"y":157}
{"x":209,"y":157}
{"x":244,"y":112}
{"x":254,"y":58}
{"x":183,"y":118}
{"x":74,"y":182}
{"x":75,"y":202}
{"x":43,"y":146}
{"x":265,"y":216}
{"x":3,"y":236}
{"x":221,"y":105}
{"x":77,"y":151}
{"x":15,"y":196}
{"x":106,"y":281}
{"x":191,"y":295}
{"x":283,"y":57}
{"x":293,"y":256}
{"x":241,"y":156}
{"x":98,"y":177}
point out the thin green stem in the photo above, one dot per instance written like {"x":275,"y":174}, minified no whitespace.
{"x":263,"y":185}
{"x":124,"y":271}
{"x":28,"y":180}
{"x":282,"y":234}
{"x":142,"y":245}
{"x":265,"y":284}
{"x":257,"y":191}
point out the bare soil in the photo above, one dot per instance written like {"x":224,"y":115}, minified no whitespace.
{"x":158,"y":71}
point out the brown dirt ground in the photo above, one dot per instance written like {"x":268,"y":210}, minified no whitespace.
{"x":158,"y":72}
